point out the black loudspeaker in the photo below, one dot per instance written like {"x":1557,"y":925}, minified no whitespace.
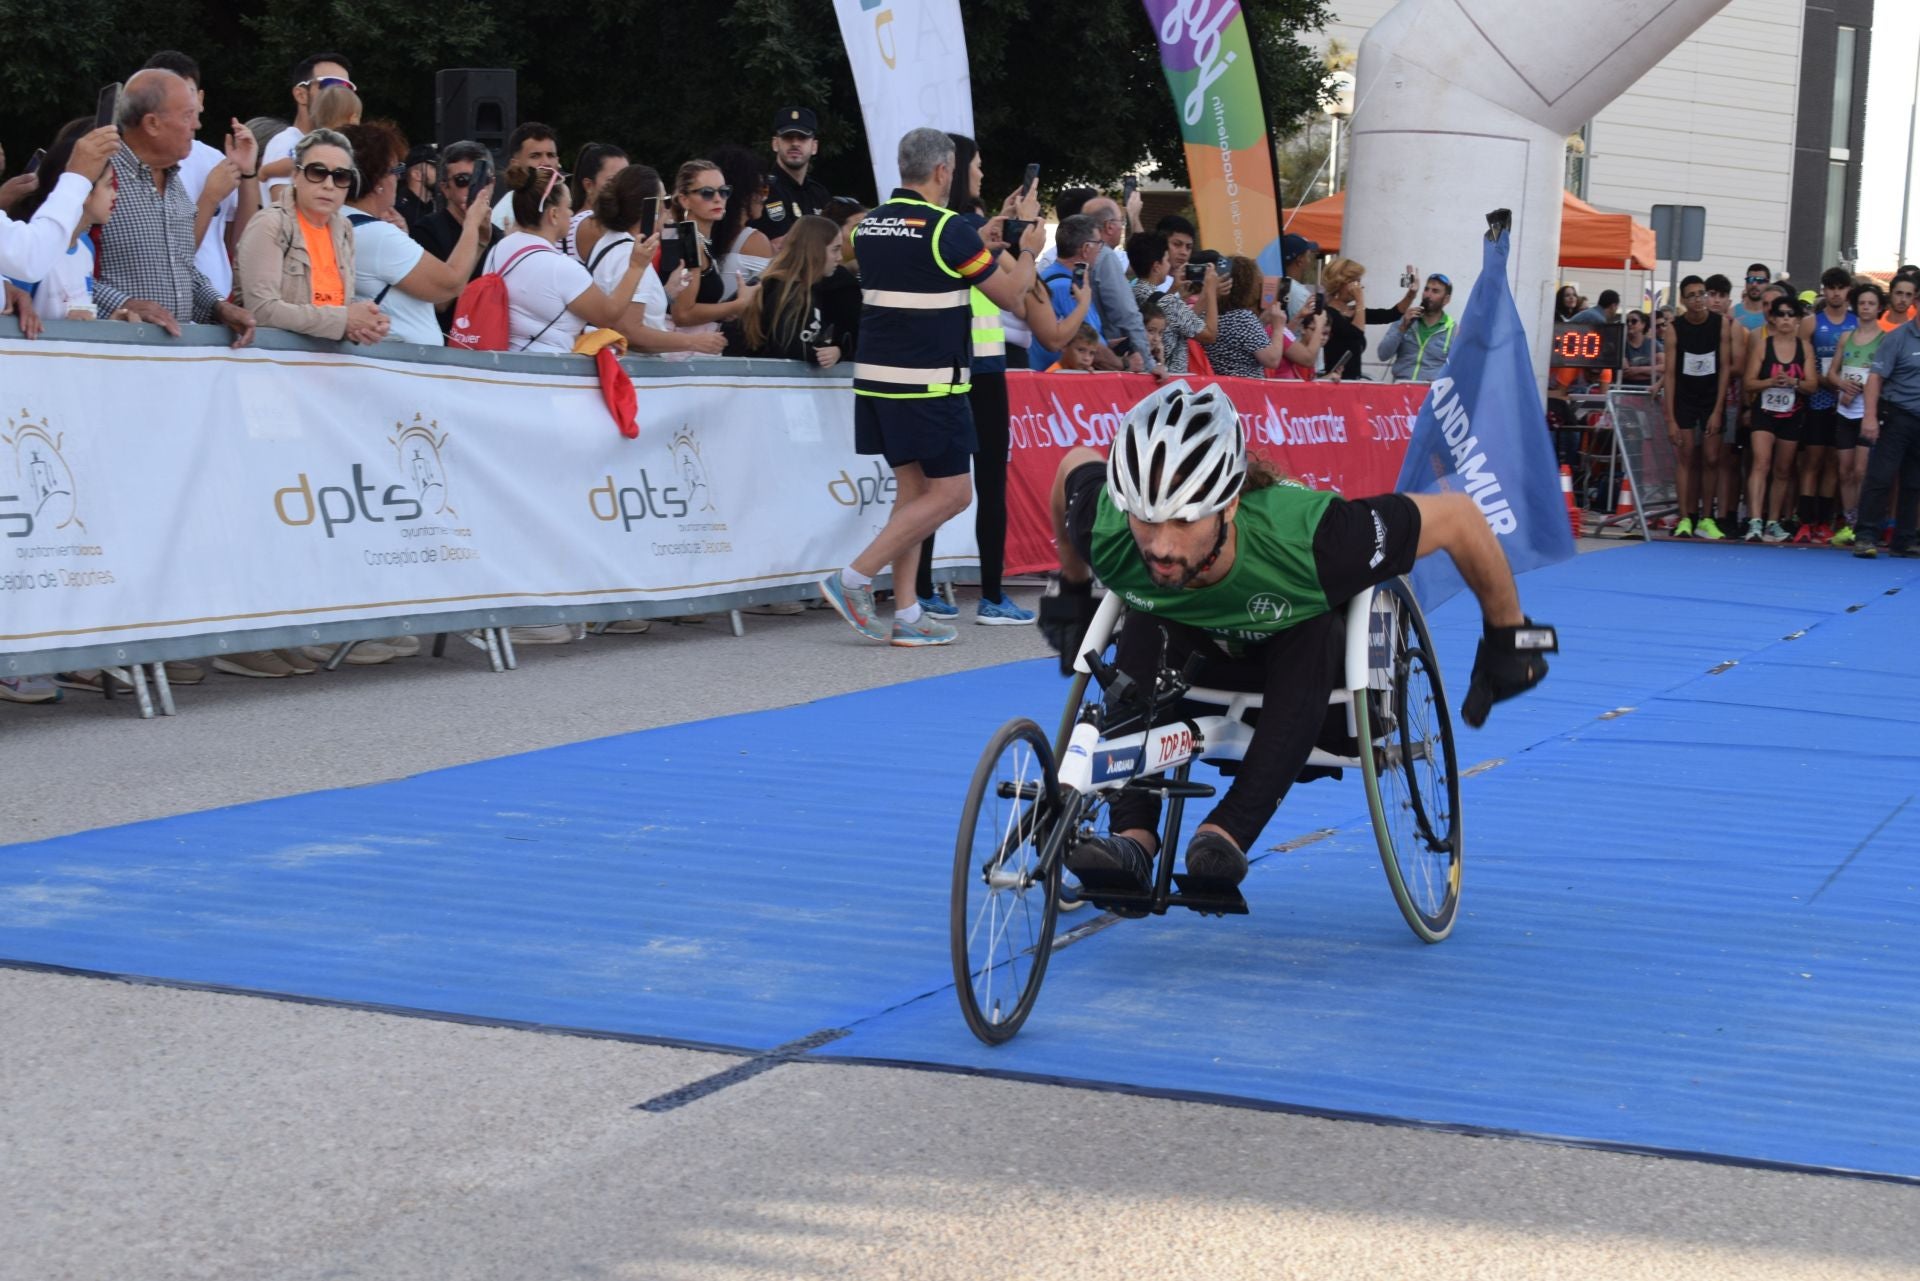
{"x":480,"y":104}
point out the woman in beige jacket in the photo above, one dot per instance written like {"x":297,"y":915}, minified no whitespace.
{"x":296,"y":257}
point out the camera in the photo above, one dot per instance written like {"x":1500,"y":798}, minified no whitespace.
{"x":1408,"y":280}
{"x":1195,"y":271}
{"x":1080,"y":275}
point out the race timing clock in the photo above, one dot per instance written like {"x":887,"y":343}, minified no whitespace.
{"x":1587,"y":346}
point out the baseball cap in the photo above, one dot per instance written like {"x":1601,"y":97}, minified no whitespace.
{"x":1292,"y":247}
{"x":422,"y":154}
{"x":795,"y":120}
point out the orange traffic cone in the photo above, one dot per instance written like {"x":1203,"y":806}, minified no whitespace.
{"x":1566,"y":492}
{"x":1624,"y":507}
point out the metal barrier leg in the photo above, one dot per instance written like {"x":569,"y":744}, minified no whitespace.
{"x":338,"y":656}
{"x":738,"y":623}
{"x":504,"y":635}
{"x":439,"y":644}
{"x":490,"y":641}
{"x":138,"y":673}
{"x":163,"y":687}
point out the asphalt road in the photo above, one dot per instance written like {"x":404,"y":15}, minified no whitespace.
{"x":156,"y":1133}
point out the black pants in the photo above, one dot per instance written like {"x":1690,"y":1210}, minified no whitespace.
{"x":988,"y":400}
{"x":1295,"y":672}
{"x":1896,"y":453}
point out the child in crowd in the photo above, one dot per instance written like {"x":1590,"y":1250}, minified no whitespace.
{"x":1079,"y":355}
{"x":1156,"y":322}
{"x":67,"y":292}
{"x":335,"y":107}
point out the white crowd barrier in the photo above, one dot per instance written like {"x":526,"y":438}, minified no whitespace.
{"x":173,"y":498}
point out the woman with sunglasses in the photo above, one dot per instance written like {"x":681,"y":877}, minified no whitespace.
{"x":1644,"y":357}
{"x":701,"y":195}
{"x":391,"y":269}
{"x":296,"y":261}
{"x":551,"y":298}
{"x":620,"y":213}
{"x":1781,"y":373}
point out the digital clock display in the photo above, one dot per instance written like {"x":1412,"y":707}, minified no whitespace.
{"x":1587,"y":346}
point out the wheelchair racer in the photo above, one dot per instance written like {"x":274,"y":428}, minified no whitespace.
{"x":1249,"y":572}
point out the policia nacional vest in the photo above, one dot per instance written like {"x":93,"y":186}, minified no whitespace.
{"x":917,"y":324}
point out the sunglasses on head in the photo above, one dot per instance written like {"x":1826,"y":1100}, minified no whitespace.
{"x":1442,"y":279}
{"x":329,"y":82}
{"x":318,"y":174}
{"x":711,"y":193}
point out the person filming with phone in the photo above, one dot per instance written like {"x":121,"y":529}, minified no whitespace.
{"x":629,"y":208}
{"x":1068,"y":283}
{"x":1185,"y":316}
{"x":1418,"y":346}
{"x":391,"y":269}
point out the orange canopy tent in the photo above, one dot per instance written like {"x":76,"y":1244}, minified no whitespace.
{"x":1588,"y":238}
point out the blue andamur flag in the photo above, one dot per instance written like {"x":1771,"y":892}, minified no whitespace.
{"x":1482,"y":431}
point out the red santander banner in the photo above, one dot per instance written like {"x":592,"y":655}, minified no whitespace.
{"x":1344,"y":436}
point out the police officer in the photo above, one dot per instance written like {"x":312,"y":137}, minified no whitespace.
{"x":792,"y":194}
{"x":918,"y":262}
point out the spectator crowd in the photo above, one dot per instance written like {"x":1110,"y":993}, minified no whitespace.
{"x":334,"y":226}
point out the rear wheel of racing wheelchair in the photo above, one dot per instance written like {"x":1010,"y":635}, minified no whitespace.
{"x":1411,"y":771}
{"x":1006,"y":880}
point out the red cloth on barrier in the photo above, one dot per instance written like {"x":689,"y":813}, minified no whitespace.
{"x":1345,"y":436}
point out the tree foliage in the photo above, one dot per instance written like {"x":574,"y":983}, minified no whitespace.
{"x":1076,"y":88}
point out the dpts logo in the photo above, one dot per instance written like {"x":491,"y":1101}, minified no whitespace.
{"x":689,"y":492}
{"x":41,"y":488}
{"x":419,"y":457}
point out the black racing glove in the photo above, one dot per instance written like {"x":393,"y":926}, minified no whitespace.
{"x":1066,"y":611}
{"x":1510,"y":661}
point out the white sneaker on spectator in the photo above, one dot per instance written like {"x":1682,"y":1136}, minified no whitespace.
{"x":28,"y":689}
{"x":185,"y":673}
{"x":370,"y":653}
{"x":402,"y":646}
{"x":778,"y":608}
{"x":628,"y":627}
{"x":262,"y":663}
{"x":549,"y":634}
{"x":302,"y":664}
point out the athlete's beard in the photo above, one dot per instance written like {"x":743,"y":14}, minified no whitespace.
{"x":1178,"y":573}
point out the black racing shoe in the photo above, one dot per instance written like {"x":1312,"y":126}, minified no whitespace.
{"x":1216,"y":858}
{"x":1105,"y":857}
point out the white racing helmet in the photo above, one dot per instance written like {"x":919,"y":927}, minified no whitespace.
{"x":1178,"y":456}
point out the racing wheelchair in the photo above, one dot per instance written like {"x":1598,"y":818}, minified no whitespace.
{"x":1030,"y":799}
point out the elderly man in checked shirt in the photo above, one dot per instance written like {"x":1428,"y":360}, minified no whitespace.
{"x":147,"y":271}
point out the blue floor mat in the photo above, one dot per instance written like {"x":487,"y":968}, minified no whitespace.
{"x":1679,"y":931}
